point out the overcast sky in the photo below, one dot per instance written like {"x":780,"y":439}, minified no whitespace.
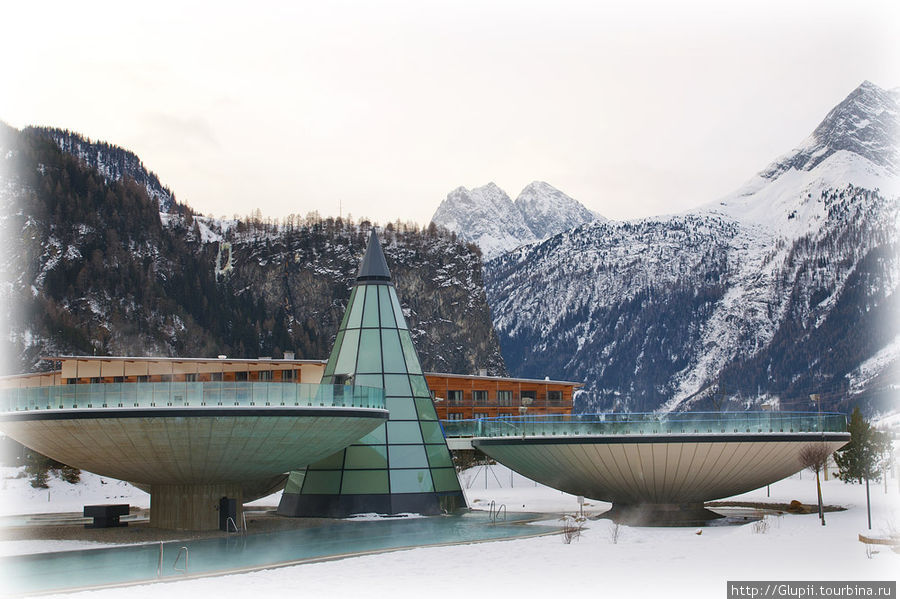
{"x":383,"y":107}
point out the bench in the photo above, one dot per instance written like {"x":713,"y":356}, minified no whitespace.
{"x":106,"y":516}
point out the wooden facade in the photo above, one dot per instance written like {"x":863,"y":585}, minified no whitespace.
{"x":456,"y":396}
{"x":460,"y":397}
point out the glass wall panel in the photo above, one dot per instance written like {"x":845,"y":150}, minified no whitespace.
{"x":366,"y":456}
{"x":335,"y":460}
{"x":370,"y":315}
{"x":376,"y":437}
{"x":332,"y":359}
{"x":326,"y":482}
{"x":392,"y":352}
{"x":404,"y":432}
{"x":398,"y":312}
{"x":419,"y":386}
{"x":425,"y":408}
{"x":295,"y":481}
{"x":369,"y":351}
{"x":369,"y":380}
{"x":438,"y":456}
{"x":408,"y":456}
{"x":346,"y":317}
{"x":400,"y":408}
{"x":445,"y":479}
{"x":431,"y":432}
{"x":411,"y":481}
{"x":397,"y":385}
{"x":387,"y":311}
{"x":346,"y":363}
{"x":364,"y":482}
{"x":356,"y":308}
{"x":412,"y":362}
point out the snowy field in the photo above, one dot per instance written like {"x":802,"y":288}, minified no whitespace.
{"x":641,"y":562}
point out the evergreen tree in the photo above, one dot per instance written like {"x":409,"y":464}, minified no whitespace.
{"x":864,"y":456}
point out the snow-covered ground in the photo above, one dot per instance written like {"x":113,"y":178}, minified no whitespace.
{"x":644,"y":562}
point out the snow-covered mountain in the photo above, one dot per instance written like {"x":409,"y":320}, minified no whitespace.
{"x":786,"y":287}
{"x":487,"y":216}
{"x":548,"y":211}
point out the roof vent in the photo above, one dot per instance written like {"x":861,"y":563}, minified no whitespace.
{"x":288,"y":355}
{"x":222,"y":356}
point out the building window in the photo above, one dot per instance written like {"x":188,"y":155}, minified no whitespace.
{"x":265,"y":375}
{"x":118,"y":379}
{"x":215,"y":376}
{"x":504,"y":398}
{"x":143,"y":378}
{"x":554,"y":396}
{"x":454,"y":396}
{"x":95,"y":379}
{"x":528,"y":397}
{"x":288,"y":375}
{"x":166,"y":378}
{"x":455,"y":416}
{"x":479,"y":397}
{"x":190,"y":377}
{"x":241,"y":376}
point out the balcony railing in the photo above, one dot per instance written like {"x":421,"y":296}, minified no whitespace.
{"x":689,"y":423}
{"x":182,"y":394}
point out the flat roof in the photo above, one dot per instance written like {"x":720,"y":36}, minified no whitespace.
{"x":474,"y":377}
{"x":168,"y":359}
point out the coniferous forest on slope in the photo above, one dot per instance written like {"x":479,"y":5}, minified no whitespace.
{"x":92,"y":268}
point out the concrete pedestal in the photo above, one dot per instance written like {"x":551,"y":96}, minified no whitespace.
{"x":661,"y":514}
{"x":191,"y":507}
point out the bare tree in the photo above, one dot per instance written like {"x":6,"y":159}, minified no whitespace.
{"x":813,"y":457}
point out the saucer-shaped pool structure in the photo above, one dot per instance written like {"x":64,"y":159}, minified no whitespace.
{"x":658,"y":466}
{"x":191,"y":443}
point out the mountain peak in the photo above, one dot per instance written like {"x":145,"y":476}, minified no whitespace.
{"x":487,"y":216}
{"x":865,"y":123}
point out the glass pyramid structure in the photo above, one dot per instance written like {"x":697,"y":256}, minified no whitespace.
{"x":404,"y":465}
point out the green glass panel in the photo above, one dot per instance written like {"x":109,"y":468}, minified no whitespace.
{"x":419,"y":386}
{"x":398,"y":312}
{"x":408,"y":456}
{"x":347,"y":310}
{"x":400,"y":408}
{"x":404,"y":432}
{"x":397,"y":385}
{"x":412,"y":362}
{"x":370,"y":315}
{"x":387,"y":311}
{"x":295,"y":481}
{"x":438,"y":456}
{"x":364,"y":482}
{"x":333,"y":462}
{"x":366,"y":456}
{"x":332,"y":359}
{"x":431,"y":432}
{"x":369,"y":351}
{"x":411,"y":481}
{"x":347,"y":360}
{"x":376,"y":437}
{"x":369,"y":380}
{"x":356,"y":308}
{"x":392,"y":352}
{"x":445,"y":479}
{"x":425,"y":408}
{"x":322,"y":482}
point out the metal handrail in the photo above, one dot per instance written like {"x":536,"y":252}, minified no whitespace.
{"x":188,"y":394}
{"x":647,"y":423}
{"x":175,"y":567}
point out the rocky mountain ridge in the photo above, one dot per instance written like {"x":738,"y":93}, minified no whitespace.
{"x":784,"y":288}
{"x":488,"y":217}
{"x":91,"y":266}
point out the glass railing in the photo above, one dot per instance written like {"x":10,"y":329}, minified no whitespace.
{"x":688,"y":423}
{"x":161,"y":395}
